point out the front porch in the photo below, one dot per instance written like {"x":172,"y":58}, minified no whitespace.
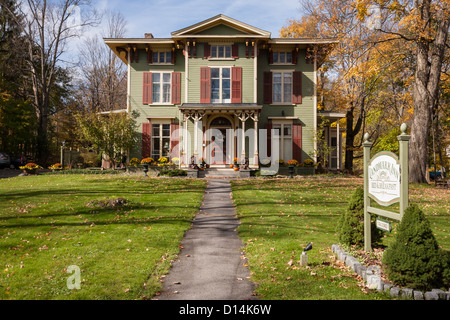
{"x":219,"y":135}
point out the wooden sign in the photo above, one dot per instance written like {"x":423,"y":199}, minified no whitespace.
{"x":384,"y":178}
{"x":385,"y":181}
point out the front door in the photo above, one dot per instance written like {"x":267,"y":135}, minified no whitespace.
{"x":217,"y":151}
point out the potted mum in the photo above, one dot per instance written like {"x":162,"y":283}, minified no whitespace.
{"x":30,"y":168}
{"x":56,"y":167}
{"x":292,"y":164}
{"x":145,"y":163}
{"x":307,"y":167}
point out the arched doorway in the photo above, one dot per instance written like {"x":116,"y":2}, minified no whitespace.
{"x":219,"y":148}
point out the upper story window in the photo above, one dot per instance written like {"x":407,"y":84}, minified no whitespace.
{"x":221,"y":85}
{"x":161,"y":87}
{"x":221,"y":51}
{"x":162,"y":57}
{"x":282,"y":87}
{"x":282,"y":57}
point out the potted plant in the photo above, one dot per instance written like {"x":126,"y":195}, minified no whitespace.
{"x":235,"y":162}
{"x":145,"y":163}
{"x":307,"y":167}
{"x":30,"y":168}
{"x":292,"y":164}
{"x":56,"y":167}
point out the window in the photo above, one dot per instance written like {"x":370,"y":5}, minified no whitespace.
{"x":160,"y":140}
{"x":161,"y":87}
{"x":220,"y":51}
{"x":282,"y":57}
{"x":221,"y":85}
{"x":284,"y":132}
{"x":162,"y":57}
{"x":282,"y":87}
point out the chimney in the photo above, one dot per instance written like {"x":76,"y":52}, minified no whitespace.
{"x":149,"y":36}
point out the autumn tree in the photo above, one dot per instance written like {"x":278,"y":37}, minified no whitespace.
{"x":103,"y":82}
{"x":424,"y":24}
{"x":352,"y":76}
{"x":112,"y":133}
{"x":46,"y":27}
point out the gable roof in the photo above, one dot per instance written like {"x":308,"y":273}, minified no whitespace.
{"x":242,"y":29}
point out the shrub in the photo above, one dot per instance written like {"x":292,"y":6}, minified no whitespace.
{"x":414,"y":259}
{"x":351,"y":224}
{"x":173,"y":172}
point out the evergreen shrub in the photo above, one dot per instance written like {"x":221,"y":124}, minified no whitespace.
{"x":351,"y":224}
{"x":414,"y":259}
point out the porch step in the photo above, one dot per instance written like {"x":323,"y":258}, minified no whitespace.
{"x":218,"y":173}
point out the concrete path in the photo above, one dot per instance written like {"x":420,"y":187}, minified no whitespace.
{"x":211,"y":264}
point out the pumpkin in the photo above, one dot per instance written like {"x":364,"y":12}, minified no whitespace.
{"x":236,"y":168}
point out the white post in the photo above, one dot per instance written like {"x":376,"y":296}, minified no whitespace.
{"x":185,"y":142}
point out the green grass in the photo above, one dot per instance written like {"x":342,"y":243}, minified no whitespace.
{"x":50,"y":222}
{"x":279,"y":217}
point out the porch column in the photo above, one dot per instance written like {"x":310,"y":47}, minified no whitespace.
{"x":185,"y":140}
{"x":197,"y":117}
{"x":243,"y":117}
{"x":255,"y":119}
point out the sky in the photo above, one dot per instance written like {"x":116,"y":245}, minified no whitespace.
{"x":161,"y":17}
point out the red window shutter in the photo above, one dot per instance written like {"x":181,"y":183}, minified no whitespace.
{"x":236,"y":85}
{"x":235,"y":51}
{"x":207,"y":51}
{"x":174,"y":57}
{"x":267,"y":87}
{"x":297,"y":87}
{"x":297,"y":141}
{"x":270,"y":57}
{"x":269,"y":137}
{"x":205,"y":85}
{"x":147,"y":88}
{"x":176,"y":87}
{"x":174,"y":138}
{"x":146,"y":139}
{"x":294,"y":56}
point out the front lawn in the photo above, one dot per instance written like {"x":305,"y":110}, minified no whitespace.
{"x":279,"y":217}
{"x":121,"y":231}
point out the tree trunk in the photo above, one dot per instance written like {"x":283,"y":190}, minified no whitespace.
{"x":349,"y":141}
{"x":426,"y":88}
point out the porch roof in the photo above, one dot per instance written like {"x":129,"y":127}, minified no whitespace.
{"x":220,"y":107}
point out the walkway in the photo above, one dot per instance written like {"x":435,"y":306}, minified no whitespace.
{"x":210,"y":265}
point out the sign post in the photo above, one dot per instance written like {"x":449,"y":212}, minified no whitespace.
{"x":385,"y":181}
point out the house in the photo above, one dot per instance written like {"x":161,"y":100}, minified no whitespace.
{"x":221,"y":89}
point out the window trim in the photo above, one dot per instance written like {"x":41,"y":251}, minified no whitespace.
{"x":291,"y":71}
{"x":168,"y":62}
{"x":282,"y":123}
{"x":282,"y":63}
{"x":161,"y":72}
{"x":220,"y":83}
{"x":217,"y":45}
{"x":160,"y":137}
